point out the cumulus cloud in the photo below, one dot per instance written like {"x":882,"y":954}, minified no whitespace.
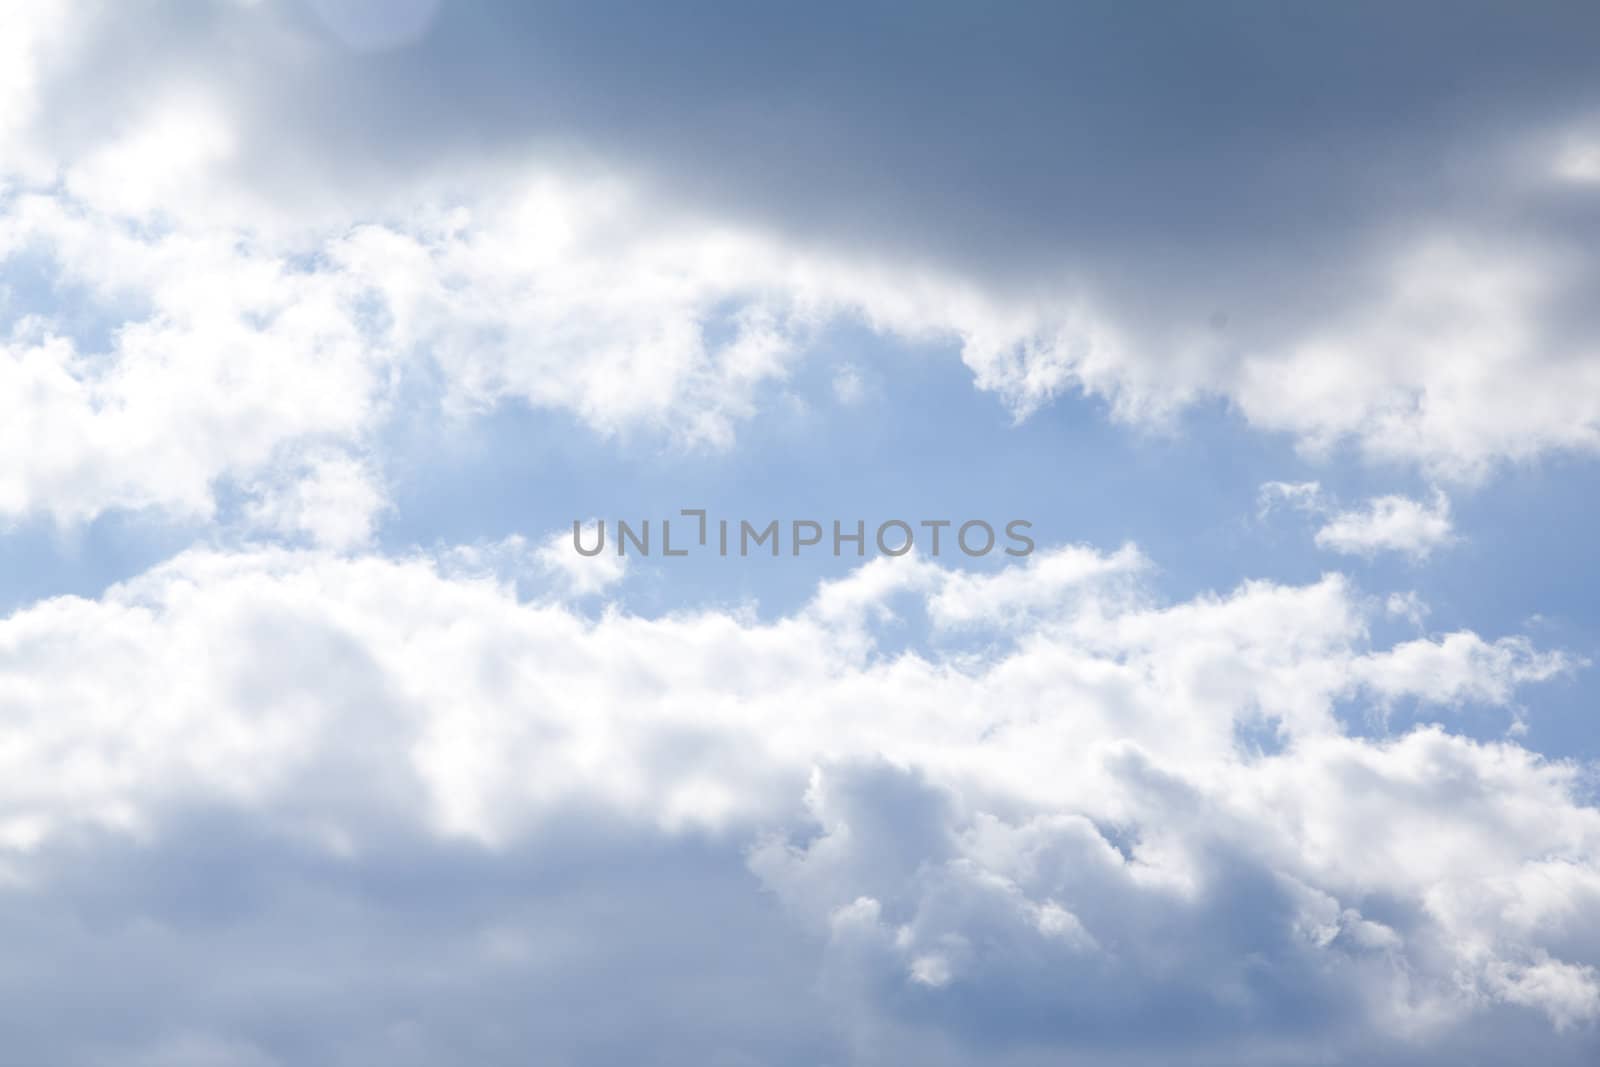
{"x":333,"y":499}
{"x":1460,"y":667}
{"x":1060,"y":836}
{"x":580,"y":575}
{"x":1390,"y":523}
{"x":208,"y":356}
{"x":219,"y":354}
{"x":211,"y":212}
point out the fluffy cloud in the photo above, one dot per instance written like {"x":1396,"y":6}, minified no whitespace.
{"x":1115,"y":820}
{"x":1391,"y":523}
{"x":206,"y":232}
{"x":180,"y":356}
{"x":332,"y":498}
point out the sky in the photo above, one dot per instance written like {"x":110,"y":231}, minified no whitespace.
{"x":323,"y":321}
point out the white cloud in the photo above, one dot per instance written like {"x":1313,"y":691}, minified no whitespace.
{"x":1073,"y":797}
{"x":1571,"y":994}
{"x":1044,"y":584}
{"x":1408,"y":605}
{"x":1390,"y":524}
{"x":31,"y":35}
{"x":581,"y":575}
{"x":332,"y":498}
{"x":1460,"y":666}
{"x":1301,"y":496}
{"x":231,"y":361}
{"x":1453,"y":366}
{"x":165,"y":164}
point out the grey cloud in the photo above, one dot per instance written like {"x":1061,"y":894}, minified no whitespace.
{"x":1108,"y":135}
{"x":584,"y":944}
{"x":224,"y":937}
{"x":1347,"y":222}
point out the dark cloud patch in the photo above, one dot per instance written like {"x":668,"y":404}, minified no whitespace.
{"x":587,"y":944}
{"x":1011,"y":137}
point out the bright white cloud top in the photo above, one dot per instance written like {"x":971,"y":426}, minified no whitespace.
{"x":288,"y":776}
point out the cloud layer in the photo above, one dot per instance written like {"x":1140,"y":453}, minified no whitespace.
{"x":207,"y":220}
{"x":1108,"y":822}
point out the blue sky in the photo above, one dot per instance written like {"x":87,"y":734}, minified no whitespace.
{"x":321,"y":321}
